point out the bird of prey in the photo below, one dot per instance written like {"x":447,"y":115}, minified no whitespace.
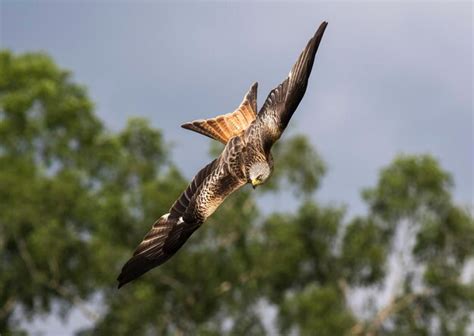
{"x":248,"y":137}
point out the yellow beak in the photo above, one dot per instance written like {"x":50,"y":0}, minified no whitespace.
{"x":255,"y":183}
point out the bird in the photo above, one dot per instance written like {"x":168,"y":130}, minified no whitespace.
{"x":248,"y":137}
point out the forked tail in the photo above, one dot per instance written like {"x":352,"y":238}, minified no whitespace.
{"x":224,"y":127}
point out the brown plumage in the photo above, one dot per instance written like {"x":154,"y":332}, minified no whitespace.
{"x":224,"y":127}
{"x":246,"y":158}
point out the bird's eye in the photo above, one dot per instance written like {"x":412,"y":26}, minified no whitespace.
{"x":260,"y":177}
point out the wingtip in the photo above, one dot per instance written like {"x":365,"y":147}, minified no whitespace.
{"x":318,"y":36}
{"x":121,"y":284}
{"x":321,"y":29}
{"x":132,"y":269}
{"x":128,"y":274}
{"x":121,"y":281}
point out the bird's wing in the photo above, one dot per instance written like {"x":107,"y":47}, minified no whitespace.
{"x":283,"y":100}
{"x":224,"y":127}
{"x":204,"y":194}
{"x":167,"y":234}
{"x":182,"y":203}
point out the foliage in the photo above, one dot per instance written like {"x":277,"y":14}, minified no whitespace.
{"x":75,"y":199}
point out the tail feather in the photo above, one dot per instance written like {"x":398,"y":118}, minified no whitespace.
{"x":224,"y":127}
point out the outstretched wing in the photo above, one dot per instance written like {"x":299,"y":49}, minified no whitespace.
{"x":167,"y":234}
{"x":283,"y":100}
{"x":203,"y":195}
{"x":152,"y":251}
{"x":224,"y":127}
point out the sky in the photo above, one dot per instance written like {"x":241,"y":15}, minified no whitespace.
{"x":389,"y":77}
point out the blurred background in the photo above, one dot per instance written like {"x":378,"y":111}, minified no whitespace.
{"x":366,"y":227}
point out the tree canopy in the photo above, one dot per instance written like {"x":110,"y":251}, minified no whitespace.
{"x":76,"y":198}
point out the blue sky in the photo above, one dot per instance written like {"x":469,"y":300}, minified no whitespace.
{"x":390,"y":77}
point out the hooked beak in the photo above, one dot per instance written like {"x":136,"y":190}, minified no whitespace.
{"x":254,"y":183}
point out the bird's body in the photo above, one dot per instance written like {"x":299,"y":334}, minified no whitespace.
{"x":248,"y":137}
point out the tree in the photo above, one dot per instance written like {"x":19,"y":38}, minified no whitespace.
{"x":415,"y":193}
{"x":65,"y":183}
{"x":47,"y":132}
{"x":75,"y":199}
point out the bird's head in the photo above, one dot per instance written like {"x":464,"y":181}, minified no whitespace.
{"x":259,"y":173}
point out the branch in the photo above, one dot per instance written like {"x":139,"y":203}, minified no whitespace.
{"x":394,"y":306}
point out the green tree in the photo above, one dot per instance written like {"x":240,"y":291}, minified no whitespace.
{"x":415,"y":193}
{"x":69,"y":190}
{"x":75,"y":199}
{"x":47,"y":132}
